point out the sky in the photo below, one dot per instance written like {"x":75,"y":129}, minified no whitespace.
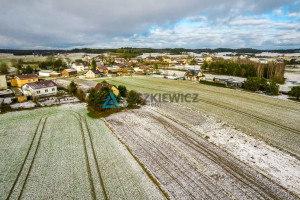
{"x":67,"y":24}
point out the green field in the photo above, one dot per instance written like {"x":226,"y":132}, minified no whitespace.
{"x":273,"y":120}
{"x":62,"y":153}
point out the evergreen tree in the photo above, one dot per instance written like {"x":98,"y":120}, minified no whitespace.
{"x":72,"y":88}
{"x":93,"y":65}
{"x":122,"y":89}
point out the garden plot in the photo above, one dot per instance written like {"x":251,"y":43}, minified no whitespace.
{"x":264,"y":117}
{"x":55,"y":100}
{"x":27,"y":104}
{"x":186,"y":165}
{"x":61,"y":163}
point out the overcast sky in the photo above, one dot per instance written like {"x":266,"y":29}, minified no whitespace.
{"x":65,"y":24}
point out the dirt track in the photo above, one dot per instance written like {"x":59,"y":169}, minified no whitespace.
{"x":186,"y":165}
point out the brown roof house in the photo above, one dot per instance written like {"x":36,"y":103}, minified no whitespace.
{"x":42,"y":88}
{"x":112,"y":87}
{"x":69,"y":72}
{"x":20,"y":80}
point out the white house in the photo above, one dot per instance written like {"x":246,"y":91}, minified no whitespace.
{"x":78,"y":66}
{"x":3,"y":84}
{"x":45,"y":72}
{"x":42,"y":88}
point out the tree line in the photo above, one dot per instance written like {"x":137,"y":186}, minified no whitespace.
{"x":144,"y":50}
{"x":246,"y":68}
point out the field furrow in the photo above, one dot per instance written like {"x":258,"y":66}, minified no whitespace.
{"x":186,"y":165}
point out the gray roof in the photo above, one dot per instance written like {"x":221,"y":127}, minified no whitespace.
{"x":27,"y":76}
{"x":41,"y":84}
{"x":71,"y":70}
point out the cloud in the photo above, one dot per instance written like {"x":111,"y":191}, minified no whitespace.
{"x":294,"y":14}
{"x":100,"y":24}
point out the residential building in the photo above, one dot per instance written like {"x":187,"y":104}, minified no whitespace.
{"x":112,"y":87}
{"x":42,"y":88}
{"x":194,"y":75}
{"x":93,"y":73}
{"x":103,"y":69}
{"x":20,"y":80}
{"x":3,"y":84}
{"x":69,"y":72}
{"x":208,"y":59}
{"x":78,"y":66}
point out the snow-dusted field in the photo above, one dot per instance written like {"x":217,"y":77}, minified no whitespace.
{"x":61,"y":164}
{"x":281,"y":167}
{"x":275,"y":121}
{"x":188,"y":166}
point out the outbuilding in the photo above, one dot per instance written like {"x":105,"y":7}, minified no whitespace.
{"x":69,"y":72}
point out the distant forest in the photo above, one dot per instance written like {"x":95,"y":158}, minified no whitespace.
{"x":144,"y":50}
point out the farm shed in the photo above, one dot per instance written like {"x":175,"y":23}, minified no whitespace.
{"x":69,"y":72}
{"x":45,"y":73}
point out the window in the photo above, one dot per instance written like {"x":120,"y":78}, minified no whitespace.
{"x":38,"y":92}
{"x":46,"y":90}
{"x":53,"y":89}
{"x":29,"y":81}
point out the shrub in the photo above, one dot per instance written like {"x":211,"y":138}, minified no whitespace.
{"x":295,"y":92}
{"x":80,"y":94}
{"x":212,"y":83}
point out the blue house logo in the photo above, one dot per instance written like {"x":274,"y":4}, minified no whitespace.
{"x":111,"y":102}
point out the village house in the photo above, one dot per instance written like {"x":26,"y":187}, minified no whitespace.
{"x":93,"y":73}
{"x":86,"y":58}
{"x":112,"y":87}
{"x":80,"y":67}
{"x":103,"y":69}
{"x":3,"y":84}
{"x":20,"y":80}
{"x":42,"y":88}
{"x":167,"y":59}
{"x":119,"y":60}
{"x":145,"y":69}
{"x":69,"y":72}
{"x":194,"y":75}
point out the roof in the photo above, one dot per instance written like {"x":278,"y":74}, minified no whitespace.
{"x":145,"y":66}
{"x":101,"y":85}
{"x":101,"y":68}
{"x":71,"y":70}
{"x":78,"y":64}
{"x":27,"y":76}
{"x":95,"y":71}
{"x":41,"y":84}
{"x":195,"y":72}
{"x":45,"y":71}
